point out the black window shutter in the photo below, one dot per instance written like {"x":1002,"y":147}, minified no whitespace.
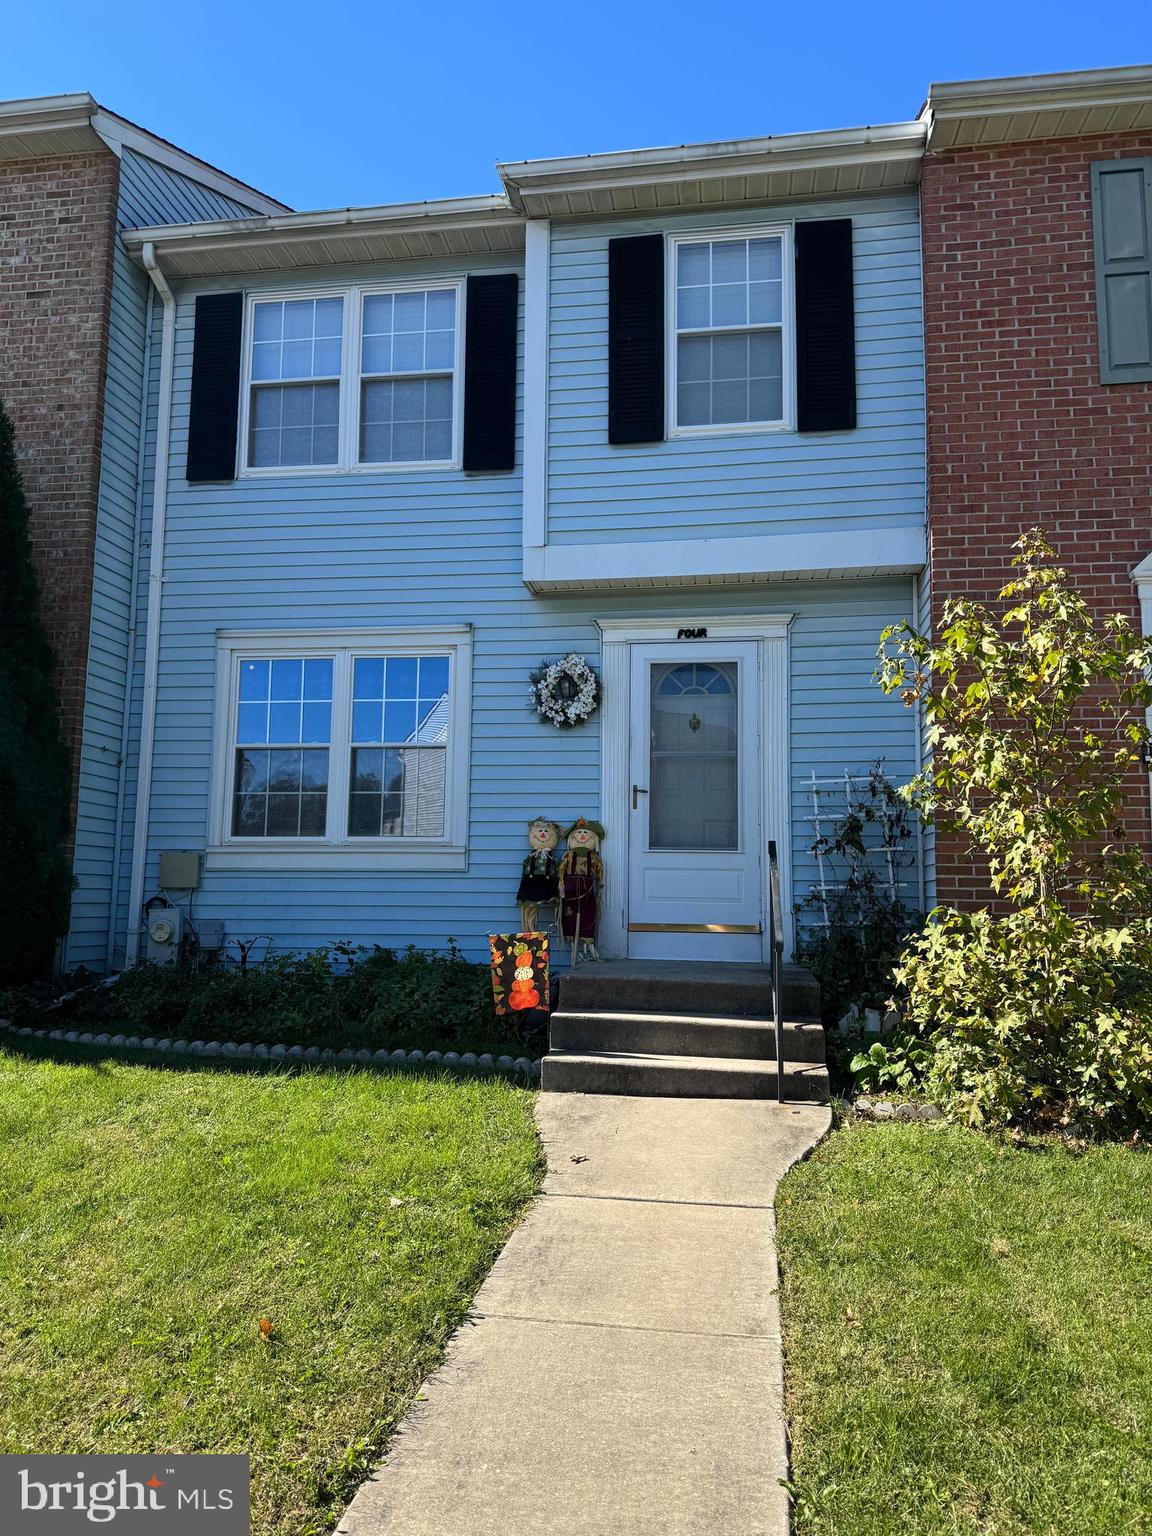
{"x":490,"y":372}
{"x":636,"y":339}
{"x":825,"y":326}
{"x":215,"y":402}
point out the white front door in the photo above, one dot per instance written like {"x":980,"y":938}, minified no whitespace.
{"x":694,"y":796}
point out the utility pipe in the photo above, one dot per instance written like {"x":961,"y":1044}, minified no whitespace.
{"x":130,"y":654}
{"x":155,"y":597}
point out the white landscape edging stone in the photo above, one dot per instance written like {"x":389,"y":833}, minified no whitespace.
{"x":311,"y":1054}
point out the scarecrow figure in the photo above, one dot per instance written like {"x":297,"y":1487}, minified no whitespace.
{"x":581,"y":876}
{"x":540,"y":872}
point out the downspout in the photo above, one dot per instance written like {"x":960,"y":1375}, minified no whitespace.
{"x":155,"y":597}
{"x":133,"y":625}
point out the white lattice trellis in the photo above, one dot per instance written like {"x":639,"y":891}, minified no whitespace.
{"x":836,"y":796}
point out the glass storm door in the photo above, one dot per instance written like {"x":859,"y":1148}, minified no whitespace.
{"x":694,"y":874}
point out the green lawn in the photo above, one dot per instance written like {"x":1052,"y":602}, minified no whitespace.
{"x":150,"y":1218}
{"x":968,"y":1335}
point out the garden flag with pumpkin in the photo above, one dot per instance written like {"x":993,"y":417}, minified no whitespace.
{"x":519,"y":971}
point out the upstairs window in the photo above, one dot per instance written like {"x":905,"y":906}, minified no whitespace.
{"x":365,"y":378}
{"x":294,"y":411}
{"x":730,"y":299}
{"x":408,"y":361}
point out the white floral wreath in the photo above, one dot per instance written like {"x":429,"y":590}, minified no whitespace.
{"x":546,"y":699}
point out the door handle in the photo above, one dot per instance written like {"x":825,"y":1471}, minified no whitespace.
{"x":636,"y":790}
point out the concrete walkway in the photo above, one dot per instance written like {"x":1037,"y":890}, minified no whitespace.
{"x":621,"y":1370}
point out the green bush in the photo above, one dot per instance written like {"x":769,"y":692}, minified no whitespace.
{"x":1037,"y":1016}
{"x":35,"y":881}
{"x":332,"y":997}
{"x":1040,"y":1012}
{"x":896,"y":1064}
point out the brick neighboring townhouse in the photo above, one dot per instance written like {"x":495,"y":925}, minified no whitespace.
{"x":1036,"y":198}
{"x":74,"y":339}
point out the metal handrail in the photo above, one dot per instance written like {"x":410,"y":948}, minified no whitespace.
{"x":776,"y":928}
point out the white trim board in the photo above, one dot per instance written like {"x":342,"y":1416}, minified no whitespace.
{"x":713,"y":562}
{"x":537,"y":288}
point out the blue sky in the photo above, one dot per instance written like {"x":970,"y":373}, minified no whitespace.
{"x":357,"y":102}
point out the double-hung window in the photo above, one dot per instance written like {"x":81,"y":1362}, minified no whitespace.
{"x":344,"y":745}
{"x":730,"y":301}
{"x":294,"y":405}
{"x":408,"y":359}
{"x":364,"y":378}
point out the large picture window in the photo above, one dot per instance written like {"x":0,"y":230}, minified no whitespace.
{"x":364,"y":378}
{"x":730,"y":299}
{"x":343,"y":744}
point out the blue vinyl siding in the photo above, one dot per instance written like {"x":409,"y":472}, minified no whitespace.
{"x":746,"y":482}
{"x":428,"y":548}
{"x":149,"y":194}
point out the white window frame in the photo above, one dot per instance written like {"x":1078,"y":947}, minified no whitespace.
{"x":784,"y":232}
{"x":338,"y":850}
{"x":348,"y":461}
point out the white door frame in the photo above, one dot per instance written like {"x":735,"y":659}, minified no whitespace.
{"x":618,"y":636}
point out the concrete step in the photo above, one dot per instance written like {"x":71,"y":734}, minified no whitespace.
{"x":688,"y":987}
{"x":679,"y":1034}
{"x":686,"y":1077}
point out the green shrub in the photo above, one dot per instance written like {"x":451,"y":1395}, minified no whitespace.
{"x":1039,"y":1013}
{"x":332,"y":997}
{"x":35,"y":881}
{"x":1038,"y":1016}
{"x":896,"y":1064}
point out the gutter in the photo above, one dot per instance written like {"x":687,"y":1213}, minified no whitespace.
{"x":133,"y":630}
{"x":155,"y":596}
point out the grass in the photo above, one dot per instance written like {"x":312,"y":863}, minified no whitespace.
{"x":969,"y":1336}
{"x":149,"y":1219}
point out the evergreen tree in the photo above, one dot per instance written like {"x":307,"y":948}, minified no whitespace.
{"x":35,"y":778}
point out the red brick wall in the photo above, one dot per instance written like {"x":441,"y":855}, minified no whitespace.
{"x":58,"y":222}
{"x":1020,"y":430}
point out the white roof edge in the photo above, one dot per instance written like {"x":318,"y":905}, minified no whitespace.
{"x":29,"y":115}
{"x":118,"y":133}
{"x":828,"y":144}
{"x":34,"y":111}
{"x":1143,"y":571}
{"x":453,"y":211}
{"x":1010,"y":92}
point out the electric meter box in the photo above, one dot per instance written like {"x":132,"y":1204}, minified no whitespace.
{"x":163,"y":932}
{"x":179,"y":871}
